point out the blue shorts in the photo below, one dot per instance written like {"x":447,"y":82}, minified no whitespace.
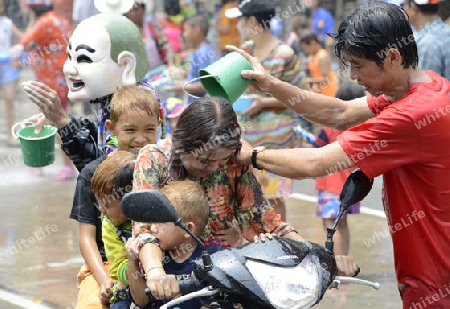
{"x":328,"y":205}
{"x":8,"y":74}
{"x":124,"y":300}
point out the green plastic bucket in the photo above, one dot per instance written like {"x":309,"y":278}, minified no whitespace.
{"x":223,"y":77}
{"x":38,"y":150}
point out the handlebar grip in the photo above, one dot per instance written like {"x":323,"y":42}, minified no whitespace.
{"x":186,"y":286}
{"x":190,"y":285}
{"x":358,"y":270}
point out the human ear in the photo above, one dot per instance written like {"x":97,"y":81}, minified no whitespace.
{"x":127,"y":61}
{"x":393,"y":57}
{"x":191,"y":226}
{"x":110,"y":126}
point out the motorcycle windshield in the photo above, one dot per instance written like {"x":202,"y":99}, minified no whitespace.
{"x":279,"y":251}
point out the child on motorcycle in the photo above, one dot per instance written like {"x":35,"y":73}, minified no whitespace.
{"x":180,"y":249}
{"x":134,"y":120}
{"x":113,"y":179}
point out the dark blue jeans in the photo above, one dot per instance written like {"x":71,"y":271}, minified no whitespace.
{"x":125,"y":304}
{"x":121,"y":304}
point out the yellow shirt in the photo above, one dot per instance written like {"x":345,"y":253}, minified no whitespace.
{"x":115,"y":249}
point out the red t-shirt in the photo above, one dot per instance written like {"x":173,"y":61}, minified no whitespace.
{"x":334,"y":182}
{"x":409,"y":143}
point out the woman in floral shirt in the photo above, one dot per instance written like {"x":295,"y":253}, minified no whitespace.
{"x":203,"y":149}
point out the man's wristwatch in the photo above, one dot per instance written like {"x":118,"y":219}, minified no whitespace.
{"x":255,"y":153}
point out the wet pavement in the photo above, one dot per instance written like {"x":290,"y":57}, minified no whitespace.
{"x":40,"y":258}
{"x":374,"y":258}
{"x":39,"y":253}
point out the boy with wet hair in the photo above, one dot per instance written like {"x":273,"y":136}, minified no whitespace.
{"x":180,"y":249}
{"x":134,"y":121}
{"x":111,"y":181}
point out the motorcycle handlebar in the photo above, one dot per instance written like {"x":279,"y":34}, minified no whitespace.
{"x":190,"y":285}
{"x":186,"y":286}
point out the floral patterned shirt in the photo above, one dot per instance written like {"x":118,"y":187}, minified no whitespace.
{"x":233,"y":192}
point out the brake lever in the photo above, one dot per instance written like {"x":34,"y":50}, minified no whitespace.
{"x":337,"y":281}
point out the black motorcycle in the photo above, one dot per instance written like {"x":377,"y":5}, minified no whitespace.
{"x":279,"y":273}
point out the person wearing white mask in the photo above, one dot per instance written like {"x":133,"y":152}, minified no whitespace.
{"x":156,"y":42}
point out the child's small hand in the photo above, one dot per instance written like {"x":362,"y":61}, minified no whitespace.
{"x":164,"y":287}
{"x":106,"y":290}
{"x":153,"y":281}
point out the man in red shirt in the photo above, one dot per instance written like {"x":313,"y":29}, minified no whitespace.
{"x":401,"y":130}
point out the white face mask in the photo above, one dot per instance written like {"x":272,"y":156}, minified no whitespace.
{"x":90,"y":72}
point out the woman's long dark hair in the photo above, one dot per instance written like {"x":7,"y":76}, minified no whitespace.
{"x":208,"y":123}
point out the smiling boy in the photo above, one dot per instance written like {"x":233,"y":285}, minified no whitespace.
{"x":134,"y":122}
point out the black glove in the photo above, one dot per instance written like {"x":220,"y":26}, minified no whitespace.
{"x":79,"y":141}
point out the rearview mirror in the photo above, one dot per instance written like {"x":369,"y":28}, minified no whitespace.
{"x":355,"y":189}
{"x":150,"y":206}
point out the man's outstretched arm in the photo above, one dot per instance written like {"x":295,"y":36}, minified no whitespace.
{"x":324,"y":110}
{"x":299,"y":163}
